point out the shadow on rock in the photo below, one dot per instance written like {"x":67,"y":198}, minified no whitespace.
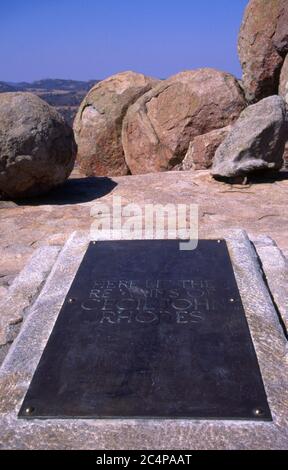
{"x":261,"y":177}
{"x":268,"y":177}
{"x":73,"y":191}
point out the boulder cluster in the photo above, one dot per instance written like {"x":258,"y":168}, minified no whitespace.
{"x":131,"y":124}
{"x":134,"y":124}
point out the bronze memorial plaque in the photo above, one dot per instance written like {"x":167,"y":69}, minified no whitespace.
{"x":149,"y":331}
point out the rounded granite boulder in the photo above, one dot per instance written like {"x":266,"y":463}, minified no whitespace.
{"x":160,"y":126}
{"x":262,"y":46}
{"x":283,"y":85}
{"x":37,"y":147}
{"x":98,"y":124}
{"x":255,"y":143}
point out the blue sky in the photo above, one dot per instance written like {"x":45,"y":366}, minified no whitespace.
{"x":91,"y":39}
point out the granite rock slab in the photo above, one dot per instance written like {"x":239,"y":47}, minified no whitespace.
{"x":24,"y":290}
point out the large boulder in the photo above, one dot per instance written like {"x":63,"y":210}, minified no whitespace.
{"x":283,"y":91}
{"x":202,"y":149}
{"x":256,"y":141}
{"x":98,"y":124}
{"x":159,"y":127}
{"x":283,"y":86}
{"x":37,"y":147}
{"x":263,"y":44}
{"x":285,"y":157}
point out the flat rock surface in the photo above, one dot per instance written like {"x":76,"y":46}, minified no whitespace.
{"x":259,"y":208}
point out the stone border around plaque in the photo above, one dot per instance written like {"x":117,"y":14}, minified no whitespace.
{"x":22,"y":293}
{"x":269,"y":341}
{"x":275,"y":269}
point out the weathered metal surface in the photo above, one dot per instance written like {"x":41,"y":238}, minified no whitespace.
{"x":150,"y":331}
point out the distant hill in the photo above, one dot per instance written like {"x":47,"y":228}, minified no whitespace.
{"x":64,"y":95}
{"x":50,"y":84}
{"x":4,"y":87}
